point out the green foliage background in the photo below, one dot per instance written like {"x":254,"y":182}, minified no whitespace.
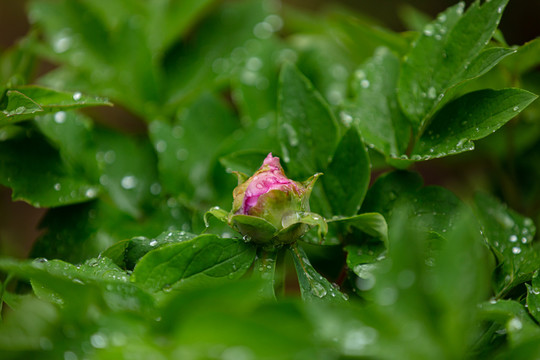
{"x":125,"y":266}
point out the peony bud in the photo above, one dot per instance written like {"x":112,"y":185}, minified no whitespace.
{"x":269,"y":208}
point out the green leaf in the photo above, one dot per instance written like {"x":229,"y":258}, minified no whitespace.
{"x":71,"y":133}
{"x":440,"y":57}
{"x":129,"y":171}
{"x":307,"y":129}
{"x":245,"y":161}
{"x":526,"y":57}
{"x":194,"y":67}
{"x":384,"y":193}
{"x":171,"y":20}
{"x":52,"y":100}
{"x":533,"y":296}
{"x":363,"y":37}
{"x":24,"y":102}
{"x":513,"y":315}
{"x":206,"y":259}
{"x":187,"y":148}
{"x":37,"y":174}
{"x":75,"y":286}
{"x":234,"y":319}
{"x":127,"y":253}
{"x":17,"y":107}
{"x":510,"y":236}
{"x":471,"y":117}
{"x":374,"y":109}
{"x":347,"y":177}
{"x":313,"y":286}
{"x":372,"y":224}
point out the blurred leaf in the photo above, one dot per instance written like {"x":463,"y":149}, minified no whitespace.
{"x":71,"y":133}
{"x":526,"y":58}
{"x":413,"y":18}
{"x":363,"y":38}
{"x":513,"y":315}
{"x":470,"y":117}
{"x":510,"y":236}
{"x":24,"y":329}
{"x":205,"y":259}
{"x":235,"y":321}
{"x":313,"y":286}
{"x":171,"y":20}
{"x":347,"y":177}
{"x":129,"y":171}
{"x":75,"y":286}
{"x":374,"y":109}
{"x":440,"y":57}
{"x":37,"y":174}
{"x":324,"y":61}
{"x":533,"y":296}
{"x":78,"y":232}
{"x":214,"y":50}
{"x":307,"y":129}
{"x":247,"y":161}
{"x":187,"y":147}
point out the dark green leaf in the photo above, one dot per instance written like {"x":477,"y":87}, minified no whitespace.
{"x":347,"y":177}
{"x":313,"y":286}
{"x":127,"y":253}
{"x":206,"y":259}
{"x":374,"y":110}
{"x":510,"y":235}
{"x":71,"y":133}
{"x":372,"y":224}
{"x":187,"y":148}
{"x":470,"y":117}
{"x":533,"y":296}
{"x":37,"y":174}
{"x":307,"y":128}
{"x":440,"y":57}
{"x":129,"y":170}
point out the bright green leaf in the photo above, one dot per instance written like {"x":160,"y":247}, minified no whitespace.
{"x":206,"y":259}
{"x":440,"y":57}
{"x":471,"y":117}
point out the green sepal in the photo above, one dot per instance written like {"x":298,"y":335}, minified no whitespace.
{"x":218,"y":213}
{"x":253,"y":228}
{"x":291,"y":222}
{"x":242,"y":177}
